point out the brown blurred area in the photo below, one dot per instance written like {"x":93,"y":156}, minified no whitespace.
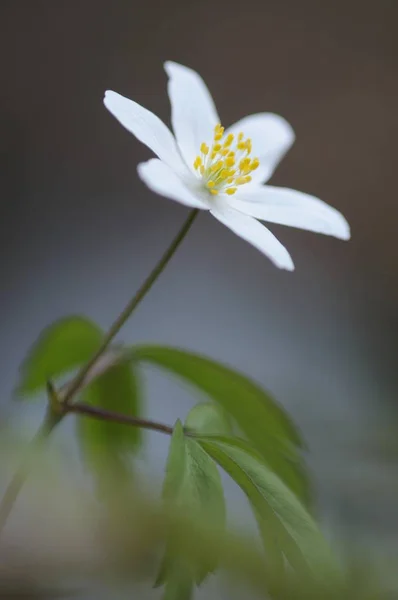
{"x":79,"y":231}
{"x":329,"y":67}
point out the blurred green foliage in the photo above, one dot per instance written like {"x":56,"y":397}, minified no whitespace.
{"x":240,"y":429}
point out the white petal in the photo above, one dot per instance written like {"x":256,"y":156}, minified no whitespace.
{"x":146,"y":127}
{"x":193,"y":114}
{"x":255,"y":233}
{"x":161,"y":179}
{"x":271,"y":137}
{"x":292,"y":208}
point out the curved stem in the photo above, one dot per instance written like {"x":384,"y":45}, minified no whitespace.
{"x":131,"y":306}
{"x":53,"y":417}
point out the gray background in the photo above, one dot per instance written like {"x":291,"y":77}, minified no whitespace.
{"x":79,"y":231}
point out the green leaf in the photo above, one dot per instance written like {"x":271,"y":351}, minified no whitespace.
{"x":176,"y":465}
{"x":208,"y":419}
{"x":282,"y":518}
{"x":179,"y":584}
{"x":106,"y":446}
{"x":61,"y":347}
{"x":261,"y":419}
{"x":192,"y":487}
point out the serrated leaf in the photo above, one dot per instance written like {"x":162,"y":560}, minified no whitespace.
{"x":281,"y":515}
{"x":60,"y":348}
{"x":106,"y":446}
{"x":261,"y":419}
{"x":208,"y":418}
{"x":192,"y":486}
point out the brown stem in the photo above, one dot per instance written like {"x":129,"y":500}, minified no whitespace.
{"x":56,"y":413}
{"x":109,"y":415}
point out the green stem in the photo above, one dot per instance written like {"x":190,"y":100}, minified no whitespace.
{"x":21,"y":474}
{"x":131,"y":306}
{"x":53,"y":417}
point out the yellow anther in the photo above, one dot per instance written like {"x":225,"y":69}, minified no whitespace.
{"x":229,"y":140}
{"x":255,"y":164}
{"x":244,"y":164}
{"x":218,"y":132}
{"x":218,"y":165}
{"x":221,"y":171}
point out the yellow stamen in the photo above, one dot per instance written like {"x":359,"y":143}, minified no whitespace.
{"x":229,"y":140}
{"x":217,"y":163}
{"x":197,"y":163}
{"x":255,"y":164}
{"x":244,"y":163}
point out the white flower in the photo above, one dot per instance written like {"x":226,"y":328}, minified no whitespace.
{"x":223,"y":172}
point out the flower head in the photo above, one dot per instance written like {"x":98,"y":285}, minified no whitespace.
{"x":222,"y":170}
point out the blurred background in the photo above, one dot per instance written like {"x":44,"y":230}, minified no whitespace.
{"x":79,"y":231}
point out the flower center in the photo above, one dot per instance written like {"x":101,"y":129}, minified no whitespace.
{"x":226,"y":164}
